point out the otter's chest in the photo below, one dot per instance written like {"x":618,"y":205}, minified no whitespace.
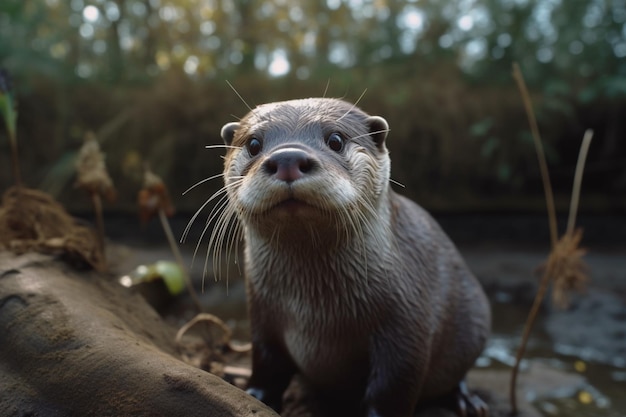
{"x":328,"y":316}
{"x":328,"y":350}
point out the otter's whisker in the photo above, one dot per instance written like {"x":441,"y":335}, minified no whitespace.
{"x":224,"y":215}
{"x":253,"y":111}
{"x":219,"y":206}
{"x":223,"y":227}
{"x":235,"y":237}
{"x":183,"y":238}
{"x":222,"y":202}
{"x":354,"y":105}
{"x":239,"y":95}
{"x":202,"y":182}
{"x":197,"y":213}
{"x":371,"y":133}
{"x":397,"y":183}
{"x":222,"y":147}
{"x":326,"y":89}
{"x":367,"y":206}
{"x":231,"y":240}
{"x":344,"y":218}
{"x":223,"y":190}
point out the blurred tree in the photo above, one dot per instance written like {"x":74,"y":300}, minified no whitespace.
{"x":439,"y":70}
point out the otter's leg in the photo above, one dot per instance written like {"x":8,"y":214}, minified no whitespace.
{"x":468,"y":404}
{"x":396,"y":375}
{"x":272,"y":370}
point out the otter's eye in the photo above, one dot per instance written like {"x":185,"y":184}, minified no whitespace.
{"x":254,"y":146}
{"x":335,"y":142}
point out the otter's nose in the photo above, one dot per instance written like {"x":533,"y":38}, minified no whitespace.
{"x":288,"y":164}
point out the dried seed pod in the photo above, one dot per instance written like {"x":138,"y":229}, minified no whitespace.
{"x":92,"y":173}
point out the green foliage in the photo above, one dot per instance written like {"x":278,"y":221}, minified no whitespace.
{"x":610,"y":87}
{"x":438,"y":71}
{"x":7,"y":106}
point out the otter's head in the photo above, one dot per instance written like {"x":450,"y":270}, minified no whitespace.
{"x":306,"y":165}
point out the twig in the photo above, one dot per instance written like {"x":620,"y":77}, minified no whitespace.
{"x":578,"y":178}
{"x":543,"y":165}
{"x":549,"y":196}
{"x":154,"y":199}
{"x":564,"y":259}
{"x":173,"y":245}
{"x":530,"y":321}
{"x":94,"y":178}
{"x":227,"y":332}
{"x":97,"y":206}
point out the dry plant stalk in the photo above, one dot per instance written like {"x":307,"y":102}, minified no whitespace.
{"x":541,"y":156}
{"x":207,"y":355}
{"x":227,"y":333}
{"x":94,"y":178}
{"x":153,"y":200}
{"x":564,"y":266}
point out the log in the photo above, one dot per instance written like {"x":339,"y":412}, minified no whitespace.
{"x":75,"y":343}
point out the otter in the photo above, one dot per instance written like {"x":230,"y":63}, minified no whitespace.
{"x":352,"y":286}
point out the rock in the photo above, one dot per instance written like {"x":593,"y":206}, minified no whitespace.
{"x":78,"y":344}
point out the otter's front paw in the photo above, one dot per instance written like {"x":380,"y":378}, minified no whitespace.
{"x":468,"y":404}
{"x":373,"y":413}
{"x":269,"y":398}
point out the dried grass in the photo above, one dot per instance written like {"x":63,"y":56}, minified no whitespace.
{"x":31,"y":220}
{"x":564,"y":268}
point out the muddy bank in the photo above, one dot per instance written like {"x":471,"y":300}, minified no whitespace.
{"x":74,"y":343}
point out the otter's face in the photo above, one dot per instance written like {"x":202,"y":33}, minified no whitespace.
{"x":305,"y":164}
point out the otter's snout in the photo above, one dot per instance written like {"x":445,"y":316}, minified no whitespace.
{"x":289,"y":164}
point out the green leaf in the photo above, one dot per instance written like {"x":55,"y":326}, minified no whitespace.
{"x":7,"y":105}
{"x":172,"y":275}
{"x":481,"y":128}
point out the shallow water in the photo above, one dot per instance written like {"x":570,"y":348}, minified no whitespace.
{"x":597,"y":387}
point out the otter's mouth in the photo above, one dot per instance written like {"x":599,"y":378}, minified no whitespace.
{"x":292,"y":207}
{"x":292,"y":204}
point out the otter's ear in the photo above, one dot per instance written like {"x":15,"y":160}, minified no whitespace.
{"x":378,"y":128}
{"x":228,"y":132}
